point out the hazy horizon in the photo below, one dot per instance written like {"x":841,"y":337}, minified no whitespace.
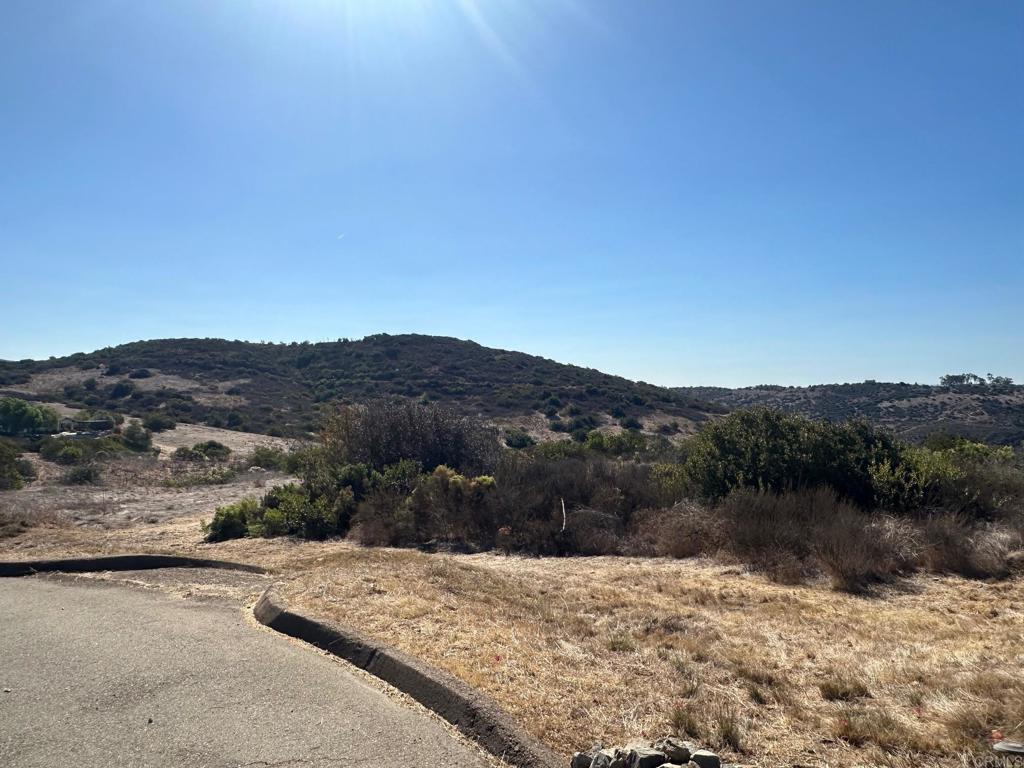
{"x":685,"y":193}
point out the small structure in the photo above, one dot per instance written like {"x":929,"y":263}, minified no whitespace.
{"x":88,"y":426}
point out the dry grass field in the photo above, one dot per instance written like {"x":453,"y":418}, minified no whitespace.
{"x":610,"y":649}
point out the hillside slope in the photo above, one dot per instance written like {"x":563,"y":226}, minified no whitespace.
{"x":912,"y":411}
{"x":282,"y":388}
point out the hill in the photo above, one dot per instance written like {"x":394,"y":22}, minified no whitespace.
{"x":994,"y":414}
{"x":281,"y":389}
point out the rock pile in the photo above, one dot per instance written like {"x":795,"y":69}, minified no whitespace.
{"x":669,"y":752}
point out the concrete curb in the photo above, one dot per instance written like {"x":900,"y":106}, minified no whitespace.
{"x":475,"y":714}
{"x":118,"y":563}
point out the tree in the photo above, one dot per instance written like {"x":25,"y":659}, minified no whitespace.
{"x":18,"y":417}
{"x":10,"y":477}
{"x":974,"y":380}
{"x":999,"y":381}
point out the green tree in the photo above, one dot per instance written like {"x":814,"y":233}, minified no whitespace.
{"x":772,"y":451}
{"x":10,"y":477}
{"x":19,"y":417}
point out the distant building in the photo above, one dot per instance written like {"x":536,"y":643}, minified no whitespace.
{"x":93,"y":426}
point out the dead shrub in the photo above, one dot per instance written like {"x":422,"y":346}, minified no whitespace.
{"x":686,"y":529}
{"x":858,"y":727}
{"x":972,"y":725}
{"x":794,"y":535}
{"x":768,"y":531}
{"x":952,"y":544}
{"x":856,"y":551}
{"x":14,"y":522}
{"x":840,"y":687}
{"x":683,"y":721}
{"x":592,"y":532}
{"x":727,"y":728}
{"x":383,"y":519}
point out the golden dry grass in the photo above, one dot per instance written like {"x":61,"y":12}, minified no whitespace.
{"x":611,"y":649}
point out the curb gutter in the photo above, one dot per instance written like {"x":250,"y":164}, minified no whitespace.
{"x":475,"y":714}
{"x":118,"y":563}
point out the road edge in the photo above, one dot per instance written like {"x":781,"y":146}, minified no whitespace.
{"x":473,"y":713}
{"x":118,"y":563}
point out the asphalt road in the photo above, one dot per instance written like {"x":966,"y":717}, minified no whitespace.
{"x":112,"y":676}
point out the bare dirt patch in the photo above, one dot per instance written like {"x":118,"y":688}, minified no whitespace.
{"x":205,"y":392}
{"x":187,"y":435}
{"x":138,"y":497}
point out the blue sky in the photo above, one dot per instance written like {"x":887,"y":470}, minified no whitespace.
{"x":676,"y":191}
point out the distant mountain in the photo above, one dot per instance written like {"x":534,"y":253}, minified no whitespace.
{"x":913,"y":411}
{"x":283,"y":388}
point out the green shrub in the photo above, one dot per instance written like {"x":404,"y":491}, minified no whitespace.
{"x":267,"y":457}
{"x":76,"y":451}
{"x":122,"y":389}
{"x":292,"y":511}
{"x":207,"y":476}
{"x":558,"y":450}
{"x":212,"y":450}
{"x":964,"y":477}
{"x":629,"y":443}
{"x":83,"y":474}
{"x":11,"y":477}
{"x":137,"y":438}
{"x":140,"y":373}
{"x":158,"y":422}
{"x":209,"y":450}
{"x":273,"y":524}
{"x":184,"y":453}
{"x":26,"y":469}
{"x":771,"y":451}
{"x":232,"y":521}
{"x":518,"y":439}
{"x":670,"y":483}
{"x":70,"y":454}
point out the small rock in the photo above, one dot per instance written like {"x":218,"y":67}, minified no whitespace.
{"x":645,"y":757}
{"x":705,"y":759}
{"x":581,"y":760}
{"x":7,"y":690}
{"x":603,"y":759}
{"x":676,"y":750}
